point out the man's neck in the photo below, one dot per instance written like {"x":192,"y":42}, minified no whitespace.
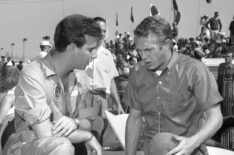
{"x":62,"y":68}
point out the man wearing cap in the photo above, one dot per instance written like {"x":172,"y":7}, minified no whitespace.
{"x":225,"y":82}
{"x":46,"y":121}
{"x":45,"y":48}
{"x":169,"y":95}
{"x":231,"y":28}
{"x":215,"y":25}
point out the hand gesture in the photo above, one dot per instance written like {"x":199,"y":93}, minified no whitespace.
{"x":185,"y":146}
{"x":93,"y":144}
{"x":64,"y":126}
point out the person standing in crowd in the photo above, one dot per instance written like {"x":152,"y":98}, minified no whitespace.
{"x":215,"y":25}
{"x":45,"y":48}
{"x":205,"y":33}
{"x":169,"y":95}
{"x":175,"y":31}
{"x":231,"y":28}
{"x":225,"y":82}
{"x":102,"y":71}
{"x":44,"y":119}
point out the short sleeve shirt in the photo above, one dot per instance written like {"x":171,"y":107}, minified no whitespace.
{"x":176,"y":100}
{"x":102,"y":69}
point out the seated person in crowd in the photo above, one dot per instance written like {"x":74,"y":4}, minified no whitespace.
{"x":8,"y":79}
{"x":46,"y":122}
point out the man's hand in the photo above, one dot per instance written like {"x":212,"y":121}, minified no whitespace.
{"x":93,"y":144}
{"x":64,"y":126}
{"x":185,"y":146}
{"x":120,"y":110}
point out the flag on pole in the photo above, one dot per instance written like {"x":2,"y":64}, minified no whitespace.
{"x":131,"y":16}
{"x":177,"y":14}
{"x":175,"y":6}
{"x":117,"y":20}
{"x":153,"y":10}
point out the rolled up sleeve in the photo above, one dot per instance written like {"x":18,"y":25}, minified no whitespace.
{"x":205,"y":88}
{"x":31,"y":99}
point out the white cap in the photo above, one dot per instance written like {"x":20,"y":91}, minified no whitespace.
{"x":45,"y":43}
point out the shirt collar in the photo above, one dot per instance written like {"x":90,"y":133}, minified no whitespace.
{"x":48,"y":66}
{"x":173,"y":60}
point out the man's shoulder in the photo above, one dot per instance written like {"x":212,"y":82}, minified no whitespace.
{"x":139,"y":69}
{"x":32,"y":69}
{"x":103,"y":50}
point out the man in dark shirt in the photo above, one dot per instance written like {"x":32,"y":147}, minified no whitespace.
{"x":231,"y":28}
{"x":215,"y":25}
{"x":169,"y":96}
{"x":225,"y":82}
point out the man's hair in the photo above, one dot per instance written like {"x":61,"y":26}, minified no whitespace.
{"x":72,"y":29}
{"x":154,"y":24}
{"x":99,"y":19}
{"x":9,"y":76}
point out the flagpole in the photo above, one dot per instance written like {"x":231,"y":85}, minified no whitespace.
{"x":170,"y":11}
{"x":198,"y":15}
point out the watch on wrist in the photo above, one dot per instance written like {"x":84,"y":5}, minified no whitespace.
{"x":77,"y":122}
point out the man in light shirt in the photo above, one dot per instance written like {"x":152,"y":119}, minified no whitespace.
{"x":102,"y":71}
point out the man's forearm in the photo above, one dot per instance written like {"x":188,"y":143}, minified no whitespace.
{"x":79,"y":136}
{"x":133,"y":131}
{"x":210,"y":127}
{"x":114,"y":94}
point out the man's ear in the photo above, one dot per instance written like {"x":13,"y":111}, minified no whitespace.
{"x":72,"y":48}
{"x":166,"y":45}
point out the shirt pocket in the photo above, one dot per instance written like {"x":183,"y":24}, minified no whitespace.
{"x":176,"y":104}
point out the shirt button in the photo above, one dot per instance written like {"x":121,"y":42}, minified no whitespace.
{"x":160,"y":82}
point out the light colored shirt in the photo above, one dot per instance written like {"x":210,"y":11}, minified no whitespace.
{"x":102,"y":70}
{"x":40,"y":95}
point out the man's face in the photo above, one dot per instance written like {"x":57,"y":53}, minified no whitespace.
{"x":47,"y":49}
{"x":228,"y":58}
{"x":86,"y":53}
{"x":103,"y":28}
{"x":151,"y":51}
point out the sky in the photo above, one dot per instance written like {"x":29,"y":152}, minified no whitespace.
{"x":33,"y":19}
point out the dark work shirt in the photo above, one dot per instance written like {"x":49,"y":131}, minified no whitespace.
{"x":215,"y":24}
{"x":231,"y":27}
{"x":176,"y":100}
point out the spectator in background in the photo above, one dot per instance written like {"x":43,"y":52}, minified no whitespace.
{"x":231,"y":28}
{"x":20,"y":65}
{"x":225,"y":82}
{"x":205,"y":33}
{"x":175,"y":31}
{"x":9,"y":76}
{"x":102,"y":71}
{"x":45,"y":48}
{"x":171,"y":92}
{"x":215,"y":25}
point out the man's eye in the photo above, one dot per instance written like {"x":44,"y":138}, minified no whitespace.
{"x":90,"y":50}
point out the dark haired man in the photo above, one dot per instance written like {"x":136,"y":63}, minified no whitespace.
{"x":102,"y":71}
{"x":44,"y":118}
{"x":172,"y":93}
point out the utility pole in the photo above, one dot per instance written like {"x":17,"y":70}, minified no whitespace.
{"x":2,"y":51}
{"x":24,"y":47}
{"x":12,"y":50}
